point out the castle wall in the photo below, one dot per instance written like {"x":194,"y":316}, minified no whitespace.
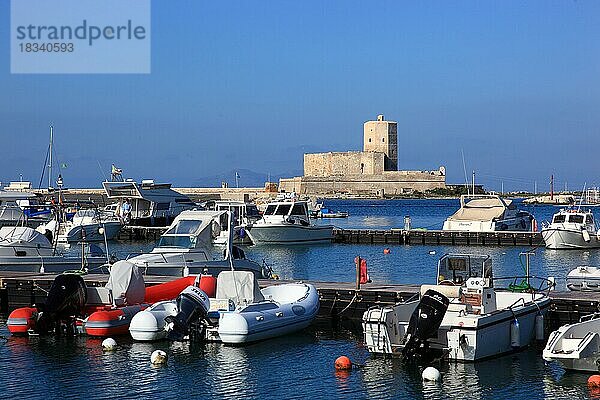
{"x":388,"y":183}
{"x":343,"y":163}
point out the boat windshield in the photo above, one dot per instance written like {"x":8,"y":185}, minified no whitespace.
{"x":576,"y":218}
{"x":270,"y":209}
{"x":186,"y":242}
{"x":252,"y":210}
{"x":299,"y":209}
{"x":589,"y":219}
{"x":458,"y":268}
{"x":185,"y":227}
{"x":283,"y":209}
{"x":559,"y":218}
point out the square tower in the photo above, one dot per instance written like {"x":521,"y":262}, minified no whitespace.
{"x":381,"y":136}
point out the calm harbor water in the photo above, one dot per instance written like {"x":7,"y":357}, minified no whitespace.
{"x":301,"y":365}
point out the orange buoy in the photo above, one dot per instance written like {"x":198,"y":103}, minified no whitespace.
{"x":386,"y":250}
{"x":594,"y":381}
{"x":343,"y":363}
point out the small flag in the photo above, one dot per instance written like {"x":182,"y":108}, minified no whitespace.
{"x":115,"y":171}
{"x":64,"y":165}
{"x":237,"y":175}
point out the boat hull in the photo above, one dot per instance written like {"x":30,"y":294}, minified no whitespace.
{"x":576,"y":346}
{"x":48,"y":264}
{"x":178,"y":268}
{"x":91,"y":233}
{"x":559,"y":239}
{"x":288,"y":234}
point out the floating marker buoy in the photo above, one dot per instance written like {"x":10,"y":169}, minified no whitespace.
{"x":109,"y":344}
{"x":343,"y":363}
{"x":594,"y":381}
{"x":386,"y":250}
{"x":431,"y":374}
{"x":432,"y":252}
{"x":158,"y":357}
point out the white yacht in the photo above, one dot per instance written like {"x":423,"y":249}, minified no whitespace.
{"x":576,"y":346}
{"x":463,"y":316}
{"x":288,"y":222}
{"x":87,"y":225}
{"x":187,"y":248}
{"x":27,"y":250}
{"x":571,"y":229}
{"x":152,"y":204}
{"x":11,"y":214}
{"x":244,"y":215}
{"x":488,"y":213}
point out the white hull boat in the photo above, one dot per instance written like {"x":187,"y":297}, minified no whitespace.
{"x":576,"y":346}
{"x":584,"y":278}
{"x":571,"y":229}
{"x":187,"y":248}
{"x":286,"y":222}
{"x":463,"y":317}
{"x":285,"y":233}
{"x":488,"y":213}
{"x":92,"y":232}
{"x":24,"y":249}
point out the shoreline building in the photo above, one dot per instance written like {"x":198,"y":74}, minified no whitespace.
{"x":371,"y":172}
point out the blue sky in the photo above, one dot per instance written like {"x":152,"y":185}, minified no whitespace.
{"x":254,"y":84}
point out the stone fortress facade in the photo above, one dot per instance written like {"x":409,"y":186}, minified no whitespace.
{"x":371,"y":172}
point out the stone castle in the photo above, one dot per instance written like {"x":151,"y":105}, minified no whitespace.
{"x":371,"y":172}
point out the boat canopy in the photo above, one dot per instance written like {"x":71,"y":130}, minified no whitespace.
{"x":126,"y":283}
{"x":19,"y":234}
{"x":484,"y":209}
{"x":239,"y":286}
{"x":457,"y":268}
{"x":192,"y":229}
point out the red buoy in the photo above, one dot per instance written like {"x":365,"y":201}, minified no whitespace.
{"x":343,"y":363}
{"x":386,"y":250}
{"x":594,"y":381}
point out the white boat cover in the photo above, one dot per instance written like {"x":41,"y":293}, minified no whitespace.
{"x":239,"y":286}
{"x":15,"y":234}
{"x":126,"y":283}
{"x":481,"y":210}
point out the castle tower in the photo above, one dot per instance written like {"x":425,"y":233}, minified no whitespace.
{"x":381,"y":136}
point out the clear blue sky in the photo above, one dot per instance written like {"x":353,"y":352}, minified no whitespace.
{"x":254,"y":84}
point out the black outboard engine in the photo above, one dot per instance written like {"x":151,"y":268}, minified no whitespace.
{"x":66,"y":299}
{"x":424,"y":323}
{"x":192,"y":308}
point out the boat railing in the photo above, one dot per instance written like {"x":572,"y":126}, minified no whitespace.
{"x":524,"y":283}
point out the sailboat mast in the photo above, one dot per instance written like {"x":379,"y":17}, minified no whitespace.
{"x":50,"y":158}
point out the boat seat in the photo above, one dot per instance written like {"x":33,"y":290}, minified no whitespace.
{"x":239,"y":286}
{"x":99,"y":296}
{"x":451,"y":292}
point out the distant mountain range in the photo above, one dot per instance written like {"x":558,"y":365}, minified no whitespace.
{"x":246,"y":178}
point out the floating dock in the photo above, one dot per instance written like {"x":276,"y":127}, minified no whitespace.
{"x":390,"y":236}
{"x":339,"y":300}
{"x":437,"y":237}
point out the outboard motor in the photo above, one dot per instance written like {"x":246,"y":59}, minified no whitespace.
{"x":192,"y":307}
{"x":66,"y":299}
{"x":424,"y":323}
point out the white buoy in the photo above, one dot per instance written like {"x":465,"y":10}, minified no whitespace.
{"x":158,"y":357}
{"x":432,"y":252}
{"x":515,"y":334}
{"x":431,"y":374}
{"x":109,"y":344}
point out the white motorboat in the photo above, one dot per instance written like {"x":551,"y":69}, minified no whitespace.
{"x":571,"y":229}
{"x":11,"y":214}
{"x":187,"y":248}
{"x":244,"y":216}
{"x":87,"y":225}
{"x":287,"y":222}
{"x":488,"y":213}
{"x":576,"y":346}
{"x":464,"y":316}
{"x":152,"y":204}
{"x":263,"y":314}
{"x":584,"y":278}
{"x":27,"y":250}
